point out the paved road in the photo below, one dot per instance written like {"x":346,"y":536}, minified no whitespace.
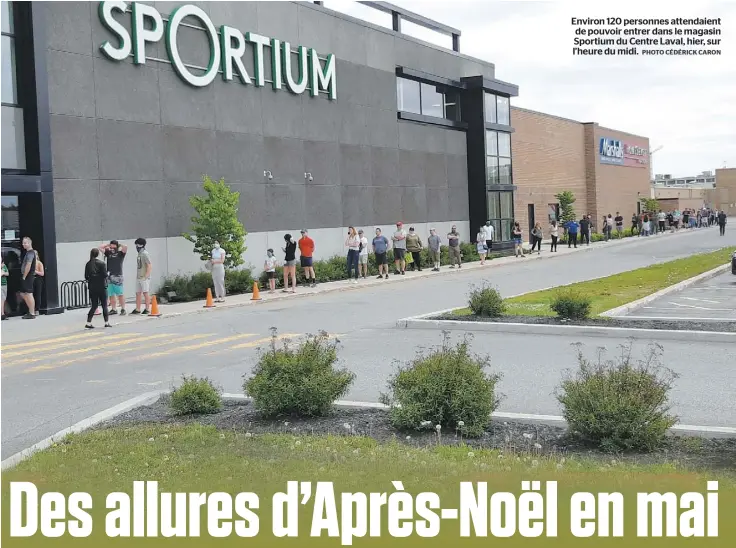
{"x":50,"y":384}
{"x":713,"y":299}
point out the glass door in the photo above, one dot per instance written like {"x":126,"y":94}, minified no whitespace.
{"x":11,"y":249}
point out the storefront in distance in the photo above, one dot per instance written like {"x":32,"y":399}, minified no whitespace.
{"x":318,"y":119}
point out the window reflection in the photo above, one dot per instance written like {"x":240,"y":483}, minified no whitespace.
{"x":504,"y":115}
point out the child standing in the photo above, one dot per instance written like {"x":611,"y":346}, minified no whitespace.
{"x":270,"y":267}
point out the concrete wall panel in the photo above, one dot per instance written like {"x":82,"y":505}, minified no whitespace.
{"x":322,"y":160}
{"x":240,"y":157}
{"x":124,"y":91}
{"x":384,"y":167}
{"x":285,"y":206}
{"x":284,"y":158}
{"x":355,"y":165}
{"x":141,"y":204}
{"x":323,"y":206}
{"x":74,"y":147}
{"x":183,"y":105}
{"x":188,"y":154}
{"x":71,"y":198}
{"x":71,"y":84}
{"x":69,"y":26}
{"x":129,"y":150}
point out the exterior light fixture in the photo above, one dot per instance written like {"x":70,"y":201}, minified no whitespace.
{"x":268,"y":174}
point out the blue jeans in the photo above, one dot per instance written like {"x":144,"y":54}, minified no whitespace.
{"x":353,"y":255}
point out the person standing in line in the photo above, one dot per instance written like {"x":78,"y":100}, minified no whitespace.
{"x":489,"y":233}
{"x":269,"y":266}
{"x":289,"y":250}
{"x":480,"y":245}
{"x":5,"y":274}
{"x":38,"y":284}
{"x":609,"y":227}
{"x":380,"y":248}
{"x":686,"y":218}
{"x":722,"y":222}
{"x":352,"y":242}
{"x":590,"y":227}
{"x":634,"y":223}
{"x":646,"y":226}
{"x":572,"y":233}
{"x":619,"y":220}
{"x":414,"y":246}
{"x":363,"y":255}
{"x":95,"y":272}
{"x":661,"y":222}
{"x":306,"y":257}
{"x":537,"y":234}
{"x":434,"y":242}
{"x":115,"y":255}
{"x":218,"y":272}
{"x":399,"y":242}
{"x":584,"y":230}
{"x":554,"y":234}
{"x":453,"y":240}
{"x":143,"y":278}
{"x":28,"y":276}
{"x":517,"y":235}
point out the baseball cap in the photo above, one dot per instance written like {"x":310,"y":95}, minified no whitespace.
{"x":360,"y":231}
{"x":303,"y":231}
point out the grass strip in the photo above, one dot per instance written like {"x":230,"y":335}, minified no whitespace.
{"x":618,"y":289}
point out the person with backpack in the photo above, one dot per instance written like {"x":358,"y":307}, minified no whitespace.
{"x":95,"y":273}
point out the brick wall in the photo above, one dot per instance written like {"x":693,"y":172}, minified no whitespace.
{"x":724,"y":195}
{"x":549,"y":157}
{"x":618,"y":188}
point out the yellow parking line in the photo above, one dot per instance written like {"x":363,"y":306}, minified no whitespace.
{"x":32,"y":344}
{"x":93,"y":341}
{"x":118,"y":341}
{"x":111,"y":353}
{"x":259,"y":342}
{"x":215,"y":341}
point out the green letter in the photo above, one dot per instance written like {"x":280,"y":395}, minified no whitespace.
{"x":175,"y":20}
{"x":232,"y":54}
{"x":104,"y":11}
{"x":322,"y":78}
{"x":295,"y":86}
{"x":258,"y":42}
{"x":141,"y":34}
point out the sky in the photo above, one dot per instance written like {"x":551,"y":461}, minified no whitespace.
{"x":686,"y":105}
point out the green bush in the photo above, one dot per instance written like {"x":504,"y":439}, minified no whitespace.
{"x":571,"y":306}
{"x":196,"y":396}
{"x":486,"y":301}
{"x":619,"y":404}
{"x":302,"y":382}
{"x":194,"y":287}
{"x":448,"y":387}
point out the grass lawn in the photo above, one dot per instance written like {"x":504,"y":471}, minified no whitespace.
{"x":619,"y":289}
{"x":196,"y":458}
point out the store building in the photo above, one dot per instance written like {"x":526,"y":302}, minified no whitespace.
{"x":113,"y":111}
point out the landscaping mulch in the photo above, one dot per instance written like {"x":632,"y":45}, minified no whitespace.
{"x":522,"y":438}
{"x":671,"y":325}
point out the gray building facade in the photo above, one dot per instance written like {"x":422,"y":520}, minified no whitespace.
{"x":387,"y":137}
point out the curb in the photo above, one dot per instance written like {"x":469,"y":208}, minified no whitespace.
{"x":151,"y":397}
{"x":144,"y":399}
{"x":568,"y":330}
{"x":625,"y":309}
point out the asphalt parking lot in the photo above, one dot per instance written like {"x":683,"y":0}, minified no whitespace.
{"x":713,"y":299}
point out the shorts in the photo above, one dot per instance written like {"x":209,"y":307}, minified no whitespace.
{"x":481,"y":248}
{"x":114,"y":290}
{"x":290,"y":263}
{"x":5,"y":295}
{"x":271,"y":274}
{"x":26,"y":286}
{"x":143,"y":286}
{"x":381,"y":258}
{"x":489,"y":244}
{"x":306,"y":261}
{"x":434,"y":256}
{"x":363,"y":259}
{"x":399,"y":254}
{"x":455,"y":252}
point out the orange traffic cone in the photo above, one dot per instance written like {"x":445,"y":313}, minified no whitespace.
{"x":256,"y":292}
{"x":209,"y":303}
{"x":154,"y":308}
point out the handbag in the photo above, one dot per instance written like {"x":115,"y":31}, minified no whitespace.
{"x":208,"y":266}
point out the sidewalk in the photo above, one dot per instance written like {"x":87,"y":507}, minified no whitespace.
{"x":18,"y":330}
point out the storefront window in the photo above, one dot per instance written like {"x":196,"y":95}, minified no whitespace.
{"x":13,"y":133}
{"x":504,"y":116}
{"x":409,"y":96}
{"x":501,"y":213}
{"x":452,"y":106}
{"x":504,"y":145}
{"x":492,"y":170}
{"x":433,"y":102}
{"x":7,"y":17}
{"x":491,"y":143}
{"x":504,"y":171}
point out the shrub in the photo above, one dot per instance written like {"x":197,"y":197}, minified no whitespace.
{"x":447,"y":386}
{"x":238,"y":281}
{"x":569,"y":305}
{"x":194,"y":287}
{"x":486,"y":301}
{"x":302,"y":382}
{"x":619,"y":404}
{"x":196,"y":396}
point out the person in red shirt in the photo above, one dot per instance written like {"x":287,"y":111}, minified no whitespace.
{"x":306,"y":250}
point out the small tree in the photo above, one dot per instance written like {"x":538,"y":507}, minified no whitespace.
{"x":567,"y":211}
{"x":217,"y":221}
{"x":650,"y":205}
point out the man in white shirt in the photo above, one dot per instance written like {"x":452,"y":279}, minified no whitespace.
{"x":363,"y":255}
{"x":399,"y":242}
{"x":488,"y":235}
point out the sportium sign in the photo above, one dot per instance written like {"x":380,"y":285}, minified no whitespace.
{"x":227,"y":47}
{"x":615,"y":152}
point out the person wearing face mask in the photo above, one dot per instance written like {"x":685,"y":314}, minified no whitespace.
{"x":218,"y":272}
{"x":289,"y":263}
{"x":143,"y":278}
{"x":270,"y":267}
